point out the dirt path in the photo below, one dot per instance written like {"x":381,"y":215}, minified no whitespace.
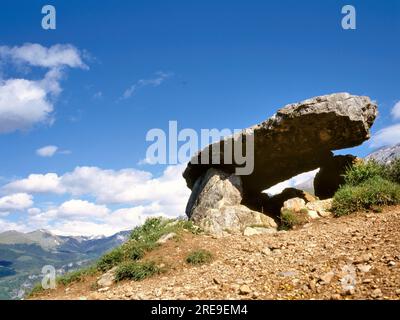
{"x":353,"y":257}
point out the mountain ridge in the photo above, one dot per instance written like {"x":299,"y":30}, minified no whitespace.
{"x":385,"y":154}
{"x":22,"y":256}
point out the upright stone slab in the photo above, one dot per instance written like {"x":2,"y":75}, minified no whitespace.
{"x":215,"y":205}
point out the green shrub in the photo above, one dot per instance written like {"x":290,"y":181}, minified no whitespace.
{"x":154,"y":228}
{"x":136,"y":270}
{"x":363,"y":171}
{"x":199,"y":257}
{"x":135,"y":251}
{"x":111,"y":259}
{"x":393,"y":171}
{"x":150,"y":231}
{"x":375,"y":191}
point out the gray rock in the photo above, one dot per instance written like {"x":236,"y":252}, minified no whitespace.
{"x":244,"y":290}
{"x":295,"y":204}
{"x":377,"y":293}
{"x":107,"y":279}
{"x":252,"y":231}
{"x":327,"y":277}
{"x":215,"y":205}
{"x":288,"y":273}
{"x":298,"y":138}
{"x":364,"y":268}
{"x":322,"y":207}
{"x":166,"y":237}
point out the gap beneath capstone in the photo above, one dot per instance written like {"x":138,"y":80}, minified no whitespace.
{"x":270,"y":201}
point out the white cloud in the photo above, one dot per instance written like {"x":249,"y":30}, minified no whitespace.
{"x":82,"y":208}
{"x":8,"y":225}
{"x":121,"y":219}
{"x":24,"y":102}
{"x":144,"y":196}
{"x":33,"y":211}
{"x":37,"y":183}
{"x":83,"y":228}
{"x":47,"y":151}
{"x":154,"y":82}
{"x":15,"y":202}
{"x":388,"y":136}
{"x":77,"y":217}
{"x":396,"y":111}
{"x":36,"y":55}
{"x":125,"y":186}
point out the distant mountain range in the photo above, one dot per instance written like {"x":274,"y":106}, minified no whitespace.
{"x":385,"y":154}
{"x":22,"y":256}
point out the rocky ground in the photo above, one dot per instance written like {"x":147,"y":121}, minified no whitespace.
{"x":352,"y":257}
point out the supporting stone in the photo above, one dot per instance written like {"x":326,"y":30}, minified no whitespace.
{"x":330,"y":176}
{"x":215,"y":205}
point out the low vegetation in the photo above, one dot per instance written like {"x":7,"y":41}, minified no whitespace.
{"x":393,"y":171}
{"x":76,"y":276}
{"x":199,"y":257}
{"x":128,"y":258}
{"x":290,"y":219}
{"x":144,"y":239}
{"x":136,"y":270}
{"x":368,"y":185}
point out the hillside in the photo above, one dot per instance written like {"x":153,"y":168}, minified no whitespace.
{"x":22,"y":256}
{"x":350,"y":257}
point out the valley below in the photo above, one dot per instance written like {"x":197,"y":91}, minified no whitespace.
{"x":23,"y":255}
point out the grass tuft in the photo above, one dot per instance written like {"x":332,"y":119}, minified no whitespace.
{"x":198,"y":257}
{"x":290,"y":219}
{"x":136,"y":270}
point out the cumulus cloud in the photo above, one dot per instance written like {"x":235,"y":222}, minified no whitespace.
{"x":24,"y":102}
{"x":82,"y":208}
{"x":8,"y":225}
{"x":388,"y":136}
{"x":16,"y":202}
{"x":37,"y":183}
{"x":159,"y":78}
{"x":118,"y":220}
{"x":47,"y":151}
{"x":82,"y":228}
{"x":37,"y":55}
{"x":79,"y":217}
{"x":124,"y":186}
{"x":136,"y":194}
{"x":396,"y":111}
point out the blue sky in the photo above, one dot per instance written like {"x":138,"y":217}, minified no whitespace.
{"x":206,"y":64}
